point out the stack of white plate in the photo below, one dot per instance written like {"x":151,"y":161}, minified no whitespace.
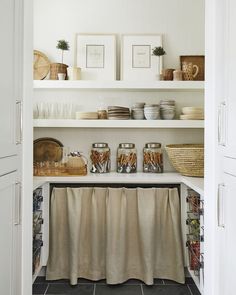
{"x":192,"y":113}
{"x":118,"y":113}
{"x":86,"y":115}
{"x":137,"y":111}
{"x":167,"y":109}
{"x":152,"y":111}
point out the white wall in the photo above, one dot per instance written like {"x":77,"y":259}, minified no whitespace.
{"x":180,"y":21}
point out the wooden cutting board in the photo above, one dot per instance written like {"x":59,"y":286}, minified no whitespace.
{"x":41,"y":65}
{"x":47,"y":149}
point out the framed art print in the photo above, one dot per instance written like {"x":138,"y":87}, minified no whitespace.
{"x":95,"y":54}
{"x":141,"y":56}
{"x":137,"y":61}
{"x":199,"y":61}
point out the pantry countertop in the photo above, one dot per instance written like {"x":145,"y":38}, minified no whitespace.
{"x":196,"y":184}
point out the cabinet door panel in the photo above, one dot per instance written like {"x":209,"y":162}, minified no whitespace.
{"x":8,"y":77}
{"x":229,"y":261}
{"x":7,"y":229}
{"x":230,"y":79}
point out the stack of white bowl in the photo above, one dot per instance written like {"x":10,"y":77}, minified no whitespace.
{"x":137,"y":111}
{"x":152,"y":111}
{"x":167,"y":109}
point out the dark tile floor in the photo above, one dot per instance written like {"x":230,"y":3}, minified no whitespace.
{"x":131,"y":287}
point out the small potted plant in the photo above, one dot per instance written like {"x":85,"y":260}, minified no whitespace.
{"x":159,"y":51}
{"x":63,"y":46}
{"x":59,"y":70}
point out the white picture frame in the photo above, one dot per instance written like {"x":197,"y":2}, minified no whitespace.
{"x":95,"y":54}
{"x":137,"y":61}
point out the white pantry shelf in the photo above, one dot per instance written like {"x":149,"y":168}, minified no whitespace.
{"x":195,"y":183}
{"x":121,"y":85}
{"x":58,"y":123}
{"x":114,"y":177}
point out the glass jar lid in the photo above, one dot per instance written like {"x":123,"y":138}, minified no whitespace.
{"x":100,"y":145}
{"x":127,"y":145}
{"x":153,"y":145}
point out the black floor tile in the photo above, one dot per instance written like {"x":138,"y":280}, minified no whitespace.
{"x":86,"y":281}
{"x":118,"y":290}
{"x":170,"y":282}
{"x":133,"y":282}
{"x":194,"y":290}
{"x":62,"y":281}
{"x":39,"y":288}
{"x":67,"y":289}
{"x":158,"y":282}
{"x":166,"y":290}
{"x":40,"y":280}
{"x":189,"y":281}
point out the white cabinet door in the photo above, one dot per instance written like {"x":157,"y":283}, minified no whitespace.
{"x":230,"y":232}
{"x":220,"y":243}
{"x":9,"y":229}
{"x":228,"y":111}
{"x":10,"y":53}
{"x":226,"y":235}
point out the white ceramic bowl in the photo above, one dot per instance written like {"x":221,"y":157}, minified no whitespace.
{"x":168,"y":116}
{"x":153,"y":116}
{"x":138,"y":105}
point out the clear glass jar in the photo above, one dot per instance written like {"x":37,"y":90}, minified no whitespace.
{"x":152,"y":158}
{"x":126,"y":158}
{"x":100,"y":158}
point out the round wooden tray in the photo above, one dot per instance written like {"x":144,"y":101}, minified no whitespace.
{"x":47,"y":149}
{"x":41,"y":65}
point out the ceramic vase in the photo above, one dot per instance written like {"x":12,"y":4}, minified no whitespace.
{"x":159,"y":68}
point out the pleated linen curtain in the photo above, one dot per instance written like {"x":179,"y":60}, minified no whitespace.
{"x":115,"y":233}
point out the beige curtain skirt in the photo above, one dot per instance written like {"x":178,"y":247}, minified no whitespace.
{"x":115,"y":233}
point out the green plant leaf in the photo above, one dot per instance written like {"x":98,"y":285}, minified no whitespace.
{"x":63,"y":45}
{"x":158,"y":51}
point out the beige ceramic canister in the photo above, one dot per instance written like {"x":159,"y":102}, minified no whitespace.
{"x":177,"y":75}
{"x":74,"y":73}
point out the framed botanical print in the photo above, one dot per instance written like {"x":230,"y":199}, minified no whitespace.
{"x":95,"y":54}
{"x":137,"y":61}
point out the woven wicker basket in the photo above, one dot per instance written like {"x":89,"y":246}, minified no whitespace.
{"x":56,"y":68}
{"x":188,"y":159}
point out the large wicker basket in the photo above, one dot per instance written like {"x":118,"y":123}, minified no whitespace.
{"x":188,"y":159}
